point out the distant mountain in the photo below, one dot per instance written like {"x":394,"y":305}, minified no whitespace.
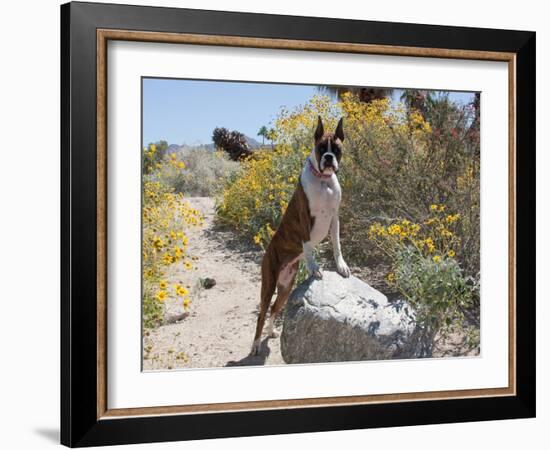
{"x":253,"y":143}
{"x":210,"y":147}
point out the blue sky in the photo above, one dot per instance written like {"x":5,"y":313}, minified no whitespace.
{"x":187,"y":111}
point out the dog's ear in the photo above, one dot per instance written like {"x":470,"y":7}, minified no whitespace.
{"x":339,"y":133}
{"x":319,"y":131}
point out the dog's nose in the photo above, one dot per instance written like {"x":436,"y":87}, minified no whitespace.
{"x":328,"y":157}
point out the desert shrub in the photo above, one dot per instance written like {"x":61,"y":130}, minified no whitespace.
{"x":396,"y":164}
{"x":153,"y":155}
{"x":166,"y":217}
{"x":232,"y":142}
{"x":439,"y":291}
{"x":425,"y":267}
{"x":436,"y":236}
{"x":257,"y":195}
{"x":206,"y":172}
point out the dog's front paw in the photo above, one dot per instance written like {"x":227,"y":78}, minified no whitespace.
{"x":342,"y":268}
{"x":317,"y":274}
{"x":314,"y":271}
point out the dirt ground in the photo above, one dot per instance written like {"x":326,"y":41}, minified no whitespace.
{"x":218,"y":328}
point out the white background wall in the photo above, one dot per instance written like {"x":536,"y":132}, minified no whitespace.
{"x":29,"y":225}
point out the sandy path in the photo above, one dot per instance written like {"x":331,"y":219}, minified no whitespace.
{"x":218,"y":329}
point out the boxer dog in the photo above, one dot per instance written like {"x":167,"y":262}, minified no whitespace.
{"x":311,"y":214}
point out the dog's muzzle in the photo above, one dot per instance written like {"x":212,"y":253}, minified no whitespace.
{"x":329,"y":161}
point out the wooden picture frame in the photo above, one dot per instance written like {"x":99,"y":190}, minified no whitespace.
{"x":86,"y":418}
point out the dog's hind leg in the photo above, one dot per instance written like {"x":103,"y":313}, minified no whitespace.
{"x":285,"y":282}
{"x":269,"y":279}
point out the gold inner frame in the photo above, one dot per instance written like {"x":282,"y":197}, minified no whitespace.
{"x":103,"y":36}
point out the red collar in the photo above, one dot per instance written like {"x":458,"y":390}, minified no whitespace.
{"x":316,"y":172}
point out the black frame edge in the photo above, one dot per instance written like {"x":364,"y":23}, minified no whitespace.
{"x":525,"y":223}
{"x":65,"y":335}
{"x":79,"y":230}
{"x":232,"y":23}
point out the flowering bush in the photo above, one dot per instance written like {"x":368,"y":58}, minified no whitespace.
{"x":435,"y":237}
{"x":153,"y":155}
{"x":402,"y":171}
{"x":425,"y":268}
{"x":396,"y":166}
{"x":254,"y":201}
{"x":166,"y":217}
{"x":386,"y":168}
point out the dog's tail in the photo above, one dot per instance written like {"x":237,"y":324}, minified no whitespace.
{"x":269,"y":282}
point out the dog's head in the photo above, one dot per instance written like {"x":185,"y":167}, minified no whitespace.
{"x":328,"y":147}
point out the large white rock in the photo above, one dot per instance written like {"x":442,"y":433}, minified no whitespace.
{"x":345,"y":319}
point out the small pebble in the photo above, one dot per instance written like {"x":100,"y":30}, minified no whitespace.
{"x":209,"y":283}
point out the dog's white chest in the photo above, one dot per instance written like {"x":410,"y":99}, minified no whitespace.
{"x":324,"y":200}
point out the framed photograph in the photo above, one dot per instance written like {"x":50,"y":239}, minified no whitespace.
{"x":277,"y":224}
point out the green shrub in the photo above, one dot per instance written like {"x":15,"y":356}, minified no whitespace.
{"x":152,"y":309}
{"x":206,"y":172}
{"x":437,"y":288}
{"x":426,"y":271}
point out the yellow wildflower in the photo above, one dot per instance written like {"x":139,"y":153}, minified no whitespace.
{"x":394,"y":229}
{"x":181,"y":291}
{"x":452,"y":218}
{"x":161,"y":296}
{"x":158,"y":242}
{"x":430,"y":245}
